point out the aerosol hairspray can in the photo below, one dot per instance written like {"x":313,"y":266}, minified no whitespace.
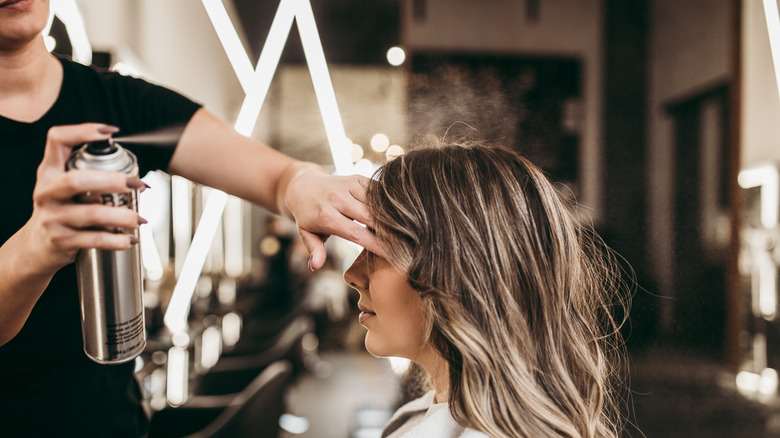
{"x":110,"y":282}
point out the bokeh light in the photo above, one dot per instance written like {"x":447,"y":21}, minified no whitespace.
{"x":394,"y":151}
{"x":396,"y":56}
{"x":380,"y":142}
{"x":364,"y":167}
{"x":356,"y":153}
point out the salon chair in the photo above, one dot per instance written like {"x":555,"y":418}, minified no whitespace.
{"x":260,"y":331}
{"x":233,"y":372}
{"x":253,"y":412}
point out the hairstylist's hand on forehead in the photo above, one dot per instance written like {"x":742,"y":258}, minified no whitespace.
{"x":325,"y":205}
{"x":211,"y":152}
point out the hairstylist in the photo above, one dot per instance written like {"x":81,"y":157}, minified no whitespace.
{"x":48,"y":105}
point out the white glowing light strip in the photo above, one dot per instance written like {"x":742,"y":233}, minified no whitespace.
{"x":231,"y":329}
{"x":179,"y":305}
{"x":323,"y":87}
{"x":178,"y":376}
{"x":181,"y":206}
{"x":773,"y":27}
{"x":149,"y":254}
{"x":215,"y":259}
{"x":769,"y":381}
{"x":234,"y":237}
{"x":747,"y":382}
{"x":226,"y":291}
{"x":765,"y":383}
{"x":211,"y":345}
{"x":230,"y":41}
{"x":266,"y":67}
{"x":68,"y":12}
{"x":767,"y":284}
{"x":768,"y":179}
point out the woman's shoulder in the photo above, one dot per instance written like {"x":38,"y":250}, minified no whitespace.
{"x":422,"y":418}
{"x":408,"y":415}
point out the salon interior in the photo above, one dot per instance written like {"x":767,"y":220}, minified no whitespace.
{"x":659,"y":116}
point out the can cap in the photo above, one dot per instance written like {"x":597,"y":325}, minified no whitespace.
{"x":104,"y":147}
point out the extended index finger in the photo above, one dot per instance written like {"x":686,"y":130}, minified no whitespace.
{"x":61,"y":139}
{"x":358,"y":210}
{"x":368,"y":240}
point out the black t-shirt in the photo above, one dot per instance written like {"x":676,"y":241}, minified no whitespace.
{"x":48,"y":386}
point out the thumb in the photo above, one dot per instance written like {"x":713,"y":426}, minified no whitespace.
{"x":61,"y":139}
{"x":315,"y":244}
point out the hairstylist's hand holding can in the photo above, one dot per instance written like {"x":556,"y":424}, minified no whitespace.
{"x":60,"y":226}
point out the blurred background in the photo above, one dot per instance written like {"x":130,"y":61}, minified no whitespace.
{"x":660,"y":117}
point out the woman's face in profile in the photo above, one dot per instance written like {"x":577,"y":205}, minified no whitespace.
{"x":391,"y":310}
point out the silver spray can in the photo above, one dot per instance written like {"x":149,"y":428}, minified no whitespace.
{"x":110,"y":282}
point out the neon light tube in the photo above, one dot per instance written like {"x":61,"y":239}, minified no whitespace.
{"x":773,"y":27}
{"x":323,"y":87}
{"x":231,"y":43}
{"x":68,"y":12}
{"x":266,"y":68}
{"x":179,"y":306}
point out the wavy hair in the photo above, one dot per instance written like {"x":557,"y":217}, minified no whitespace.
{"x":520,"y":294}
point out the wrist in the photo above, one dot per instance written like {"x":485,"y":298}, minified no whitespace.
{"x":27,"y":259}
{"x":287,"y":180}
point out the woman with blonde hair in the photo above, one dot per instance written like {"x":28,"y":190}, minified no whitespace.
{"x":491,"y":284}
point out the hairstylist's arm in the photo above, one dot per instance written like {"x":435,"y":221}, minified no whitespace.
{"x":211,"y":152}
{"x":58,"y":227}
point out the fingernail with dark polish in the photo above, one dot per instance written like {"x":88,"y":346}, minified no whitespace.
{"x":107,"y":129}
{"x":135,"y":183}
{"x":142,"y":221}
{"x":133,"y":240}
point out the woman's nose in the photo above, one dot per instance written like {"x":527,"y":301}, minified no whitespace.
{"x":355,"y":276}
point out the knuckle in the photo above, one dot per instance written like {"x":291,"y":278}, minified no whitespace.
{"x":104,"y":240}
{"x":59,"y":240}
{"x":71,"y":181}
{"x":92,"y":215}
{"x":324,"y":218}
{"x":38,"y":195}
{"x":54,"y":135}
{"x":49,"y":221}
{"x":333,"y":197}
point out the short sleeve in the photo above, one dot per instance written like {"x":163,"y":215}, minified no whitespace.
{"x":145,"y":107}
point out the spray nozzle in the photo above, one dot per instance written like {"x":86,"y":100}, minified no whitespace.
{"x":103,"y":147}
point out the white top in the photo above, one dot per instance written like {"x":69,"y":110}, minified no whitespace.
{"x":422,"y":418}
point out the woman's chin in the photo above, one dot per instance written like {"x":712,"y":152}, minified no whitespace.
{"x":375,"y":348}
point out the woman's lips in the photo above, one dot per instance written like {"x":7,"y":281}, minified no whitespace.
{"x":365,"y":316}
{"x":365,"y":313}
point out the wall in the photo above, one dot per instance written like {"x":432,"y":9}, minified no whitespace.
{"x":760,"y":102}
{"x":571,"y":28}
{"x":160,"y":38}
{"x":689,"y":51}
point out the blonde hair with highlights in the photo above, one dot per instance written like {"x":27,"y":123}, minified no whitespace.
{"x":520,"y":294}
